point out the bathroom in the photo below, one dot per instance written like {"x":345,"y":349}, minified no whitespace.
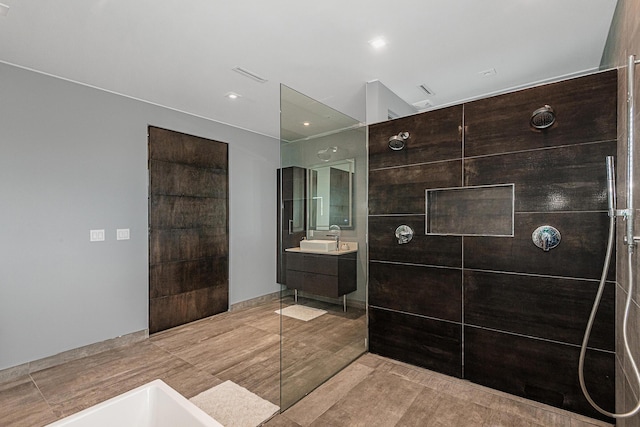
{"x":76,"y":171}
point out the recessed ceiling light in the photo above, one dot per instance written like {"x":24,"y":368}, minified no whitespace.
{"x":378,"y":42}
{"x":4,"y":9}
{"x":306,"y":123}
{"x":232,"y":95}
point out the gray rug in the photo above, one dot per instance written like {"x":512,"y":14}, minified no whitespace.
{"x":301,"y":312}
{"x":234,"y":406}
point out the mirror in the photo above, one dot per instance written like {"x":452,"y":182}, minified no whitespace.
{"x":331,"y":195}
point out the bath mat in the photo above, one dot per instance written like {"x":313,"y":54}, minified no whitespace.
{"x":234,"y":406}
{"x":301,"y":312}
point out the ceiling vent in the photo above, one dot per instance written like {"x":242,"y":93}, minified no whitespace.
{"x":488,"y":73}
{"x":249,"y":74}
{"x":426,"y":90}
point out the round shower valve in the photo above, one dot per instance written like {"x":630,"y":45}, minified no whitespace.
{"x":546,"y":237}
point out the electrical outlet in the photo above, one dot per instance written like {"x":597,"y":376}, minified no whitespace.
{"x":96,"y":235}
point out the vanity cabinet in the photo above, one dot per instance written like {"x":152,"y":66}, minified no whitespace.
{"x":326,"y":275}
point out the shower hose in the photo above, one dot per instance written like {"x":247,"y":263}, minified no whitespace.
{"x":625,"y":339}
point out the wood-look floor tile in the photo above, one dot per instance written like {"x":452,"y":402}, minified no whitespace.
{"x":378,"y":400}
{"x":281,"y":420}
{"x":528,"y":411}
{"x":505,"y":419}
{"x":329,"y":393}
{"x":452,"y":411}
{"x":470,"y":392}
{"x":259,"y":373}
{"x":304,"y":368}
{"x":23,"y":405}
{"x":183,"y":337}
{"x":420,"y":376}
{"x":422,"y":409}
{"x":371,"y":360}
{"x":228,"y":349}
{"x":329,"y":332}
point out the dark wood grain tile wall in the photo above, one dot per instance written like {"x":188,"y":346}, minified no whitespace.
{"x":505,"y":313}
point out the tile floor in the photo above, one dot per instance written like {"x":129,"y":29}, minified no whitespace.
{"x":244,"y":347}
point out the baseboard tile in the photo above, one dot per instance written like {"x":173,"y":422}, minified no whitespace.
{"x":9,"y":374}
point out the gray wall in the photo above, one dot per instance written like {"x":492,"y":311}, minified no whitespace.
{"x":74,"y":158}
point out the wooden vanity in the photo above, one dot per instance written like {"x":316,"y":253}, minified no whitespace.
{"x":328,"y":274}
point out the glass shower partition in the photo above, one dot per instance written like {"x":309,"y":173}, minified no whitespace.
{"x":322,"y":191}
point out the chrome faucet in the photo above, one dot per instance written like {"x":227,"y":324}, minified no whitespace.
{"x":334,"y":231}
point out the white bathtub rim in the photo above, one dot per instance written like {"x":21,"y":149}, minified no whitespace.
{"x":205,"y":419}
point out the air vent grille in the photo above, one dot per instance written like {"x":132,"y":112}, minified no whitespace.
{"x":426,"y":90}
{"x":249,"y":74}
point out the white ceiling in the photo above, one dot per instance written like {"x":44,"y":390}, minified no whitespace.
{"x":180,"y":54}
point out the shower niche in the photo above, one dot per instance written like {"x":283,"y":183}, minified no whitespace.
{"x":486,"y":210}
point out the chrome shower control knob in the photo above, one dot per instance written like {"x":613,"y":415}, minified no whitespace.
{"x":404,"y":234}
{"x":546,"y":237}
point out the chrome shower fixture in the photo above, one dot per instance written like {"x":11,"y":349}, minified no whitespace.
{"x":546,"y":237}
{"x":327,"y":153}
{"x":404,"y":234}
{"x":396,"y":142}
{"x":543,"y":118}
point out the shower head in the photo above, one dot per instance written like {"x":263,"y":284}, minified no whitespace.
{"x":543,"y":118}
{"x":396,"y":142}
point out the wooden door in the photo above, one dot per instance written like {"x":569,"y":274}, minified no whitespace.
{"x":292,"y":190}
{"x":188,"y":228}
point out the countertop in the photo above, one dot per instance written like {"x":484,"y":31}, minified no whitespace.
{"x":333,"y":253}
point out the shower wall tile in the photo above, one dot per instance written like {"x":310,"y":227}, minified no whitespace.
{"x":424,"y":342}
{"x":401,"y":190}
{"x":427,"y":291}
{"x":569,"y":178}
{"x":544,"y":307}
{"x":585,"y":111}
{"x":523,"y":310}
{"x":539,"y":370}
{"x":433,"y":137}
{"x":580,"y":253}
{"x":422,"y":249}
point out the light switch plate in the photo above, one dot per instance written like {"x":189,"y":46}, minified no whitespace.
{"x":122,"y":234}
{"x":96,"y":235}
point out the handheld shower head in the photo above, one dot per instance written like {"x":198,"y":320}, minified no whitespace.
{"x":611,"y":186}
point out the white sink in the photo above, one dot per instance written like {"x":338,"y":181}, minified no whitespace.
{"x":318,"y":245}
